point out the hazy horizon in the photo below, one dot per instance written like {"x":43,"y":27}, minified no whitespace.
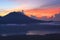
{"x":37,"y":8}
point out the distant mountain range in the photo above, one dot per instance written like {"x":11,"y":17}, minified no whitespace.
{"x":17,"y":18}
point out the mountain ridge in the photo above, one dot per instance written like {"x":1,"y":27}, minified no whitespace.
{"x":17,"y":17}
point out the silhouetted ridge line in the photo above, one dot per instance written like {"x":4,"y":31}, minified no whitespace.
{"x":18,"y":18}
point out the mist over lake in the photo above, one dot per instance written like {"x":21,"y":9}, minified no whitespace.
{"x":29,"y":29}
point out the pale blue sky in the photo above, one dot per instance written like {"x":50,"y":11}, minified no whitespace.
{"x":8,"y":4}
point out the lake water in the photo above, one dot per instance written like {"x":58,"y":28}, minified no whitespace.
{"x":29,"y":29}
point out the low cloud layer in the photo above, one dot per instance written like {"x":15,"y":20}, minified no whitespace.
{"x":55,"y":18}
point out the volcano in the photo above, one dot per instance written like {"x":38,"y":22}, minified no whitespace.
{"x":17,"y":18}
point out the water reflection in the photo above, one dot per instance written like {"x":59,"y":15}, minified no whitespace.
{"x":29,"y":29}
{"x":35,"y":32}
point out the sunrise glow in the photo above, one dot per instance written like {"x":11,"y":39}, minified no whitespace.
{"x":38,"y":8}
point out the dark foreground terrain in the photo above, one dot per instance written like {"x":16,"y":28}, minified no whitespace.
{"x":32,"y":37}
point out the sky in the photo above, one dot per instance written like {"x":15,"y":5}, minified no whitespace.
{"x":28,"y":4}
{"x":38,"y":8}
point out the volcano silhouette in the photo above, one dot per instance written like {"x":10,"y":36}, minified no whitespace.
{"x":17,"y":18}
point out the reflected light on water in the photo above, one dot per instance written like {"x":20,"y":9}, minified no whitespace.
{"x":39,"y":32}
{"x":4,"y":35}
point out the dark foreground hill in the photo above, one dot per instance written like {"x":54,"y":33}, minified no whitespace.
{"x":32,"y":37}
{"x":17,"y":18}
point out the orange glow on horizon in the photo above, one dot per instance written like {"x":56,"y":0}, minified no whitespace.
{"x":43,"y":12}
{"x":36,"y":12}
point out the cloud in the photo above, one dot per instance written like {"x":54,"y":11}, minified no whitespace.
{"x":54,"y":18}
{"x":54,"y":3}
{"x":57,"y":17}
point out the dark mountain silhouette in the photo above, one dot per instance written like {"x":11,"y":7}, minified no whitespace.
{"x":17,"y":17}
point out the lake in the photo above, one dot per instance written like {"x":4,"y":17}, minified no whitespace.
{"x":29,"y":29}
